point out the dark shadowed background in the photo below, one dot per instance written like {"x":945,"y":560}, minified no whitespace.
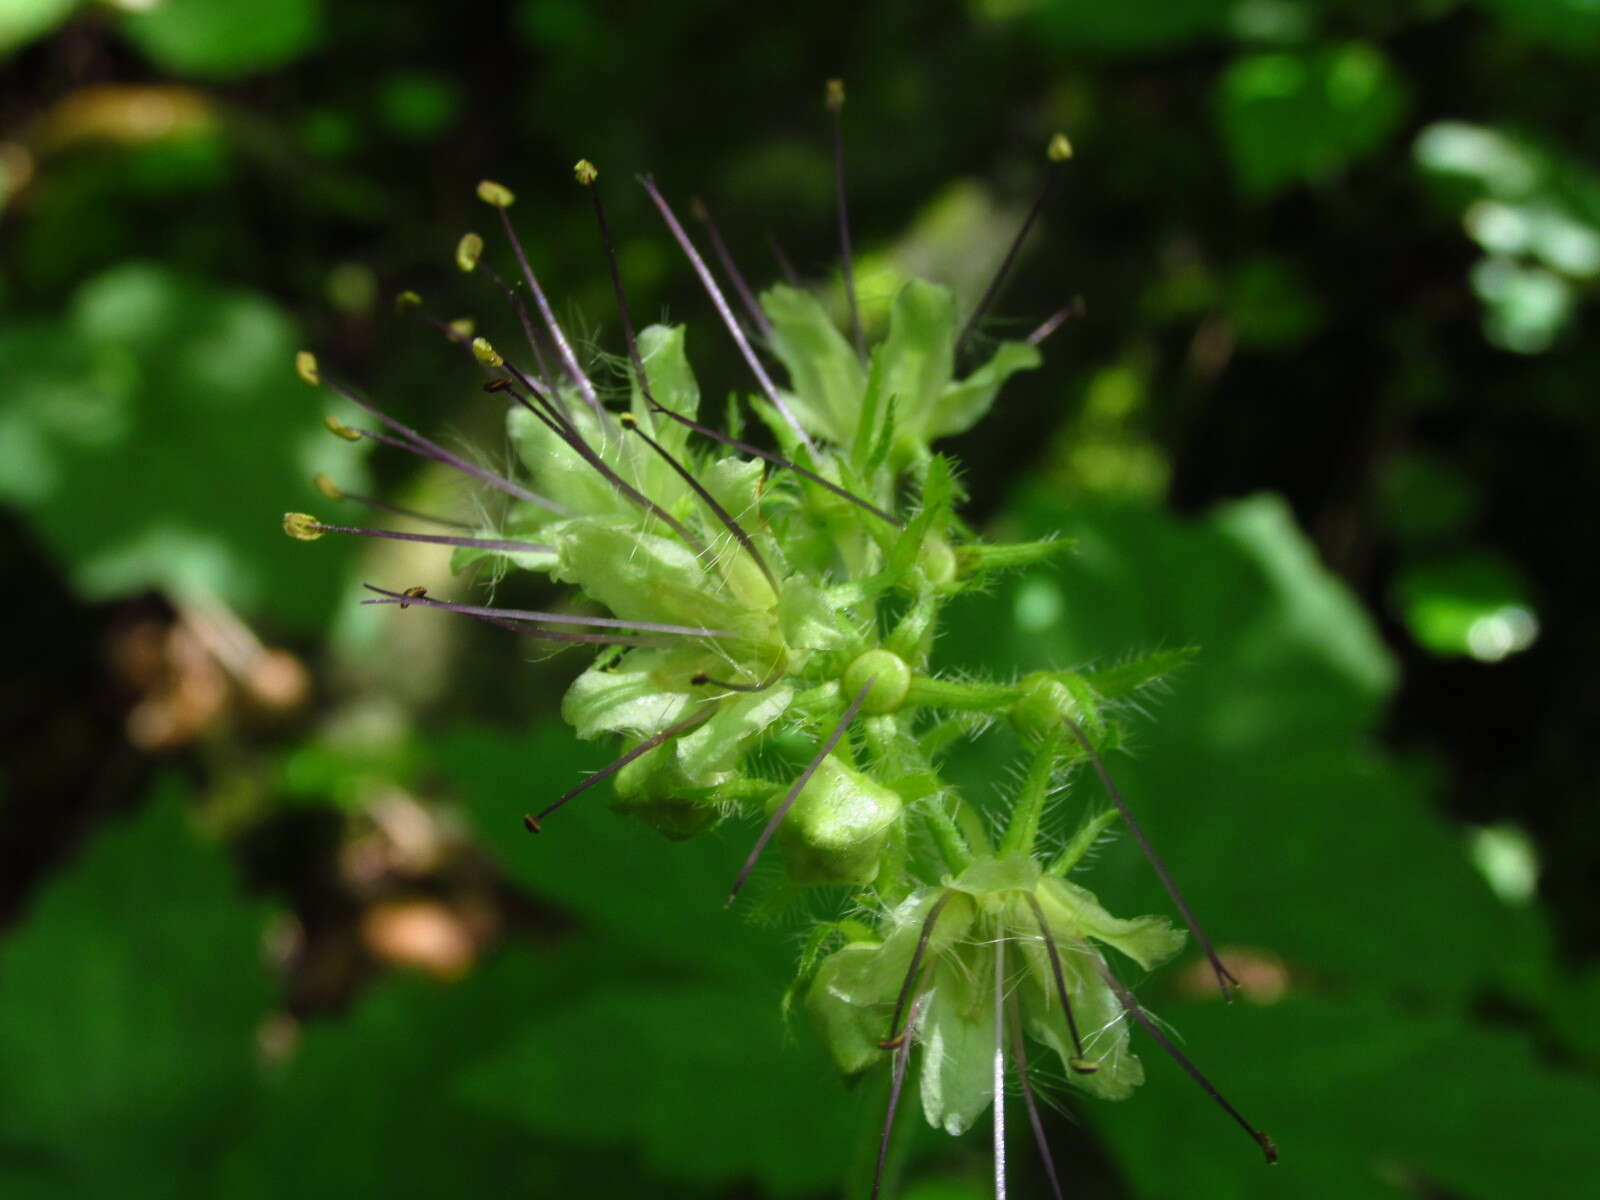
{"x":269,"y":925}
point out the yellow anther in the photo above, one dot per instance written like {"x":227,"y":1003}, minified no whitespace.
{"x":497,"y":194}
{"x":303,"y":527}
{"x":340,"y":429}
{"x":305,"y":366}
{"x":468,"y":250}
{"x":584,"y":172}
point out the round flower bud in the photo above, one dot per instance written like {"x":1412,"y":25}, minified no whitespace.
{"x":1043,"y":703}
{"x":891,"y":680}
{"x":836,"y":830}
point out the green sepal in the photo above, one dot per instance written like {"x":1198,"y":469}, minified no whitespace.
{"x":825,"y":373}
{"x":919,"y":354}
{"x":640,"y":695}
{"x":957,"y":1034}
{"x":809,"y":621}
{"x":646,"y":577}
{"x":848,"y":1031}
{"x":1094,"y":1006}
{"x":1124,"y":679}
{"x":500,"y":561}
{"x":672,"y":384}
{"x":1149,"y":941}
{"x":561,"y":474}
{"x":676,"y":816}
{"x":980,"y":559}
{"x":715,"y":750}
{"x":964,"y":404}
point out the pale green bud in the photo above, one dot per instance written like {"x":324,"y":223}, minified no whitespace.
{"x":836,"y":830}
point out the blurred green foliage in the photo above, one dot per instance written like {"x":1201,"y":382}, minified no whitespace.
{"x":1341,"y":251}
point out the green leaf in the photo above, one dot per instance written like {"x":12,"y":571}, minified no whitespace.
{"x":1293,"y":117}
{"x":23,"y":20}
{"x":385,"y":1074}
{"x":1365,"y":1097}
{"x":225,"y":39}
{"x":128,"y":1017}
{"x":684,"y":999}
{"x":1258,"y":775}
{"x":1137,"y":27}
{"x":1571,"y":27}
{"x":154,"y":435}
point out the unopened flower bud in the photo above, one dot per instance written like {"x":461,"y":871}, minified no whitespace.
{"x":837,"y":828}
{"x":468,"y":250}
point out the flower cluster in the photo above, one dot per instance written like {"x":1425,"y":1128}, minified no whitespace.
{"x":750,"y":593}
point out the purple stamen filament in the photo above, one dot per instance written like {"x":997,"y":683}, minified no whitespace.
{"x":782,"y":810}
{"x":524,"y":614}
{"x":720,"y":303}
{"x":1224,"y":978}
{"x":439,"y":539}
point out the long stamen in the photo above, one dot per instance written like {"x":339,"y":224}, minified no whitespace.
{"x":1058,"y":152}
{"x":897,"y":1080}
{"x":1020,"y":1053}
{"x":586,"y":174}
{"x":785,"y":265}
{"x":779,"y":461}
{"x":1224,"y":978}
{"x":528,"y":331}
{"x":704,"y":680}
{"x":500,"y":198}
{"x":417,"y":596}
{"x":333,"y":491}
{"x":413,"y":442}
{"x":568,"y":433}
{"x":720,"y":303}
{"x":782,"y":810}
{"x":551,"y":618}
{"x":1082,"y":1063}
{"x":306,"y":528}
{"x":1132,"y":1007}
{"x":650,"y":743}
{"x":835,"y":103}
{"x":1000,"y":1069}
{"x":730,"y":268}
{"x":896,"y":1034}
{"x":732,"y":526}
{"x":1075,"y":308}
